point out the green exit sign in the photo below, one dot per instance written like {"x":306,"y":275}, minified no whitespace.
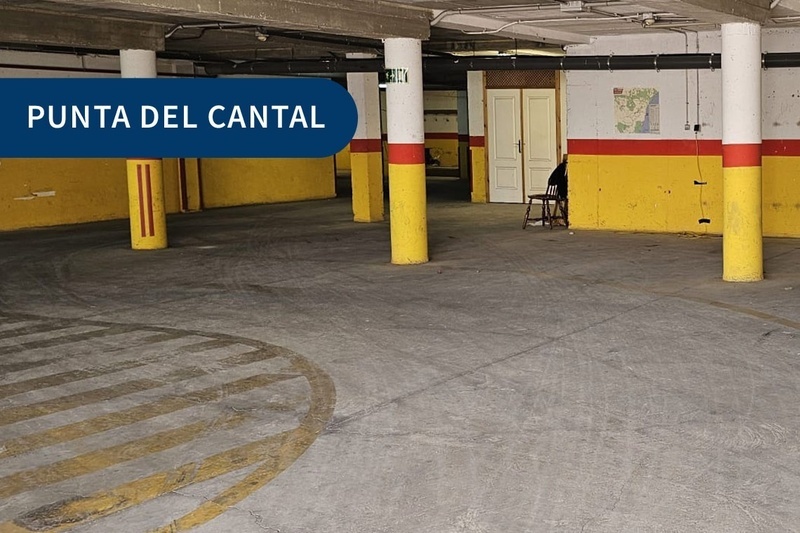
{"x":396,"y":75}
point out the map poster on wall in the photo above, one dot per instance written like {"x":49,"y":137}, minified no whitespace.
{"x":636,"y":110}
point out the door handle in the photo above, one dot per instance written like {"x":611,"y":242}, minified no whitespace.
{"x":519,"y":145}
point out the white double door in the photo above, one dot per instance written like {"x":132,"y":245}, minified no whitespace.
{"x":523,"y":142}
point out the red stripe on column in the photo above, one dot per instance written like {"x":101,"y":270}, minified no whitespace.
{"x":644,"y":147}
{"x":366,"y":145}
{"x":407,"y":154}
{"x":141,"y":200}
{"x":149,"y":202}
{"x":463,"y":138}
{"x":477,"y":141}
{"x":741,"y":155}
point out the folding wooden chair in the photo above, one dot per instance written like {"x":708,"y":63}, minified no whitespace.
{"x":548,"y":215}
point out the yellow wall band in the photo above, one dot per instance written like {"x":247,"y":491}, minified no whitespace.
{"x":445,"y":150}
{"x":231,"y":182}
{"x":658,"y":194}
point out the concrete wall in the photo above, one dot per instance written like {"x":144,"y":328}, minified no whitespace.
{"x":48,"y":192}
{"x":441,"y":126}
{"x":645,"y":182}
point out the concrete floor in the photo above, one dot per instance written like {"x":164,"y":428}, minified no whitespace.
{"x":271,"y":371}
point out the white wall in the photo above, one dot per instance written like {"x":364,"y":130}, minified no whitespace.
{"x":590,"y":111}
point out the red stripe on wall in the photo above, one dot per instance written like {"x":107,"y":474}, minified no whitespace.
{"x":769,"y":147}
{"x":149,"y":201}
{"x":441,"y":135}
{"x":407,"y":154}
{"x":141,"y":200}
{"x":741,"y":155}
{"x":785,"y":147}
{"x":366,"y":145}
{"x":644,"y":147}
{"x":477,"y":141}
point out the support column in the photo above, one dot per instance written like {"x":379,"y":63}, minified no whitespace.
{"x":366,"y":149}
{"x":406,"y":133}
{"x":742,"y":255}
{"x":463,"y":134}
{"x":145,"y":176}
{"x":477,"y":139}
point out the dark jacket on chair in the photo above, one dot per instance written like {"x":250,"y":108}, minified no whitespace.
{"x":559,"y":179}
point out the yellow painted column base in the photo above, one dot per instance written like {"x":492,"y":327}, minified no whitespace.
{"x":146,"y":204}
{"x":742,"y":240}
{"x":408,"y":212}
{"x":480,"y":189}
{"x":367,"y":179}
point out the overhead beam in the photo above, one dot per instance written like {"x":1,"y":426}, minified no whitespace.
{"x":491,"y":26}
{"x":794,"y":5}
{"x":715,"y":11}
{"x":359,"y":18}
{"x":18,"y":26}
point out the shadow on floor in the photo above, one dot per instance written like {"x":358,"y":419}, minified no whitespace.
{"x":440,"y":188}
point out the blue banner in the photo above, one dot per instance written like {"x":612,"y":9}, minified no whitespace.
{"x":166,"y":117}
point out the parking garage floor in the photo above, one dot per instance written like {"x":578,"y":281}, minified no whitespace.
{"x":271,"y":371}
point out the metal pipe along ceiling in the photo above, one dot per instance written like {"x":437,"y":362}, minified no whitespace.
{"x":461,"y":64}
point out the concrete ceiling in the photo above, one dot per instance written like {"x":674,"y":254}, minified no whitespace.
{"x":243,"y":30}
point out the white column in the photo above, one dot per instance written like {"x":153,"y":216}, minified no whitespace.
{"x":475,"y":103}
{"x":477,"y":140}
{"x":742,"y":252}
{"x":366,"y":147}
{"x":406,"y":134}
{"x":137,"y":63}
{"x":145,"y":175}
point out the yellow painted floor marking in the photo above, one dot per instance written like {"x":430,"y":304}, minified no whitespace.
{"x":256,"y":356}
{"x":47,"y":407}
{"x":66,"y":339}
{"x":34,"y":328}
{"x":139,"y":413}
{"x":53,"y":380}
{"x":121,"y":453}
{"x":68,"y":513}
{"x":206,"y":345}
{"x":277,"y":451}
{"x":288,"y":450}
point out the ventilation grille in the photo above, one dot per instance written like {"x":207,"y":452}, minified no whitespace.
{"x":520,"y":79}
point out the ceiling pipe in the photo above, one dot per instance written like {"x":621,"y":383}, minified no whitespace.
{"x":438,"y":16}
{"x":206,"y":26}
{"x":463,"y":64}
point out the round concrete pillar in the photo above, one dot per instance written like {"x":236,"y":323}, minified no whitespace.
{"x":742,"y":243}
{"x":145,"y":176}
{"x":406,"y":135}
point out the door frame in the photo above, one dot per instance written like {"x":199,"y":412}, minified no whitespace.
{"x":559,"y":126}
